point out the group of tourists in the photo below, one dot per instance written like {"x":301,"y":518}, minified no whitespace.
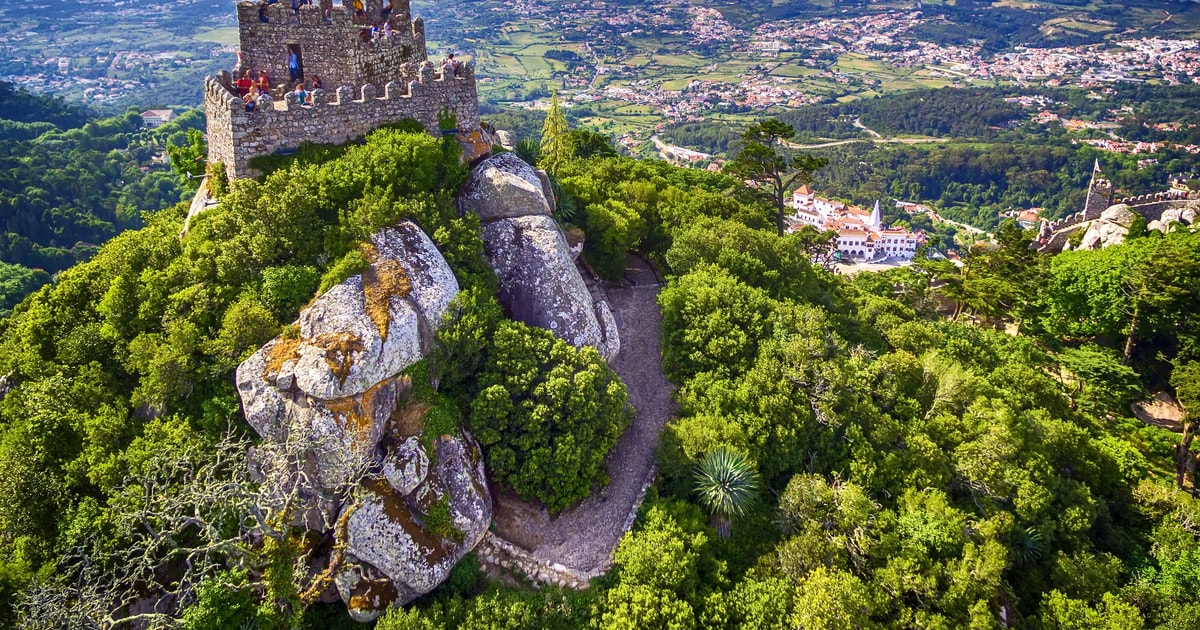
{"x":250,"y":89}
{"x":385,"y":31}
{"x":360,"y":13}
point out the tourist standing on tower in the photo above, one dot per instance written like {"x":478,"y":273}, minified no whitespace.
{"x":293,"y":65}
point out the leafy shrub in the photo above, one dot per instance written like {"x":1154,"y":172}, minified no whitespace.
{"x":288,"y":287}
{"x":613,"y":229}
{"x":546,"y":414}
{"x":352,"y":264}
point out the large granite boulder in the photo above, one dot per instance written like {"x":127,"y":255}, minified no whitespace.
{"x":1185,"y":215}
{"x":1110,"y":228}
{"x":505,"y":186}
{"x":539,"y":282}
{"x":414,"y":538}
{"x":540,"y":285}
{"x":329,"y":401}
{"x":352,"y":338}
{"x":1120,"y":214}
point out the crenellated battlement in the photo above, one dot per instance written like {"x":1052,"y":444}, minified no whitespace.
{"x":322,"y":13}
{"x":381,"y":78}
{"x":1167,"y":195}
{"x":220,"y":88}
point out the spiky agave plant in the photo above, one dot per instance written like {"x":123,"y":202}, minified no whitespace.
{"x":727,"y":483}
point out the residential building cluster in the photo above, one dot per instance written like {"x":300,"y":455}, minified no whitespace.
{"x":1136,"y":148}
{"x":708,"y":26}
{"x":890,"y":37}
{"x":145,"y":55}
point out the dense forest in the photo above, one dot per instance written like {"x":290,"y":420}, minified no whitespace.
{"x":949,"y":112}
{"x":69,"y":182}
{"x":898,"y":460}
{"x":989,"y":163}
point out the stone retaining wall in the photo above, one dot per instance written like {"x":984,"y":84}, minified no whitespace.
{"x":497,"y":552}
{"x":236,"y":135}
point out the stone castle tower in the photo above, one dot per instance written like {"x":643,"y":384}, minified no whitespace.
{"x":1099,"y":195}
{"x":368,"y":81}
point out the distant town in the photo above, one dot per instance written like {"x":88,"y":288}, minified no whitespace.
{"x":788,"y":55}
{"x":681,"y":61}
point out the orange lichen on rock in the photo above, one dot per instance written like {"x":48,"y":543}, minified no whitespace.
{"x":354,"y":412}
{"x":381,"y":281}
{"x":475,"y":146}
{"x":373,"y":595}
{"x":339,"y":350}
{"x":282,"y":351}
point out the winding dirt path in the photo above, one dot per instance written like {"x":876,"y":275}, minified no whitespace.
{"x":584,"y":537}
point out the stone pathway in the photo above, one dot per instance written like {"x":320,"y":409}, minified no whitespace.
{"x":584,"y":537}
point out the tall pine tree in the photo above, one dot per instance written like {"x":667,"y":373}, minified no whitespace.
{"x":555,"y":147}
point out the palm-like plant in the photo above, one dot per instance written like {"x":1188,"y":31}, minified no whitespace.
{"x":727,"y":483}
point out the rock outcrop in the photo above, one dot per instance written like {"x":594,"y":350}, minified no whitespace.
{"x":505,"y":186}
{"x":539,"y":282}
{"x":1112,"y":227}
{"x":1174,"y":217}
{"x":413,"y":535}
{"x":330,"y":403}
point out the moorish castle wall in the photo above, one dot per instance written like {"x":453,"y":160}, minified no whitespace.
{"x":1054,"y":235}
{"x":235,"y":135}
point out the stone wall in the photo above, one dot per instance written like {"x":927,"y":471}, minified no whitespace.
{"x":1151,"y":207}
{"x":1053,"y":235}
{"x":497,"y":552}
{"x":236,"y":135}
{"x":338,"y":49}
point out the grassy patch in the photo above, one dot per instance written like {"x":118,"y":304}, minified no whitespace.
{"x":440,"y":522}
{"x":226,"y":36}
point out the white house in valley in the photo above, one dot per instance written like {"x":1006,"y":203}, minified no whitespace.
{"x":157,"y":117}
{"x":861,"y":234}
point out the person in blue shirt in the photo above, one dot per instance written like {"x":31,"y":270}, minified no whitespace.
{"x":293,"y":65}
{"x":302,"y":95}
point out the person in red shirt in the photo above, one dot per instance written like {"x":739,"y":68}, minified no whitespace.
{"x":244,"y":84}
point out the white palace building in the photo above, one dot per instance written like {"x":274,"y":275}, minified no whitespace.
{"x":861,"y":235}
